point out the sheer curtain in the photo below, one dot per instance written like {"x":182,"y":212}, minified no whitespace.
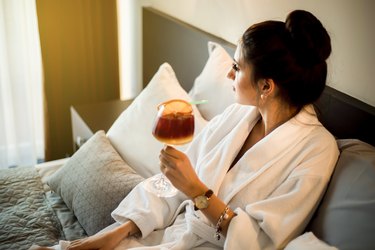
{"x":21,"y":99}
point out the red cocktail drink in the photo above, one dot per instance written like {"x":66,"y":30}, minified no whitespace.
{"x":174,"y":123}
{"x":174,"y":129}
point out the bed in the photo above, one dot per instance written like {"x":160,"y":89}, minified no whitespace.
{"x":72,"y":198}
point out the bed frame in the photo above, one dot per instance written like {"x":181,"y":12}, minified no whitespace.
{"x":166,"y":39}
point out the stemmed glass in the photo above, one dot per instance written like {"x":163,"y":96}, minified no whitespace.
{"x":174,"y":125}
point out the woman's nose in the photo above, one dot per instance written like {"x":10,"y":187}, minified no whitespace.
{"x":230,"y":74}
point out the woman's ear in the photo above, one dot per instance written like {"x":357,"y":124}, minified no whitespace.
{"x":267,"y":88}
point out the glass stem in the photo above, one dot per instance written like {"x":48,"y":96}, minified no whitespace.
{"x":161,"y":184}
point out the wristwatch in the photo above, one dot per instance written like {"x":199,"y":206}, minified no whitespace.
{"x":201,"y":201}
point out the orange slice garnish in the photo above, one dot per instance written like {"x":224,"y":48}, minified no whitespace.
{"x":176,"y":106}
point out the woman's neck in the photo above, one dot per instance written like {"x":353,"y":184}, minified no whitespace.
{"x":274,"y":115}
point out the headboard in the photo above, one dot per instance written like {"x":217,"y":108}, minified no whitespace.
{"x":166,"y":39}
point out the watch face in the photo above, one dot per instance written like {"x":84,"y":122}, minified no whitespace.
{"x":201,"y":202}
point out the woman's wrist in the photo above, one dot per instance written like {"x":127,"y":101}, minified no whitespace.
{"x":197,"y":189}
{"x":127,"y":229}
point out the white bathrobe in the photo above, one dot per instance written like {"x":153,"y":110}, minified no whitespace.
{"x":274,"y":188}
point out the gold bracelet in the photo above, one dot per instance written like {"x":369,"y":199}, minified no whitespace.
{"x":222,"y":217}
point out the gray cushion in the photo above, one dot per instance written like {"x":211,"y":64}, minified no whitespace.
{"x":346,"y":216}
{"x":93,"y":182}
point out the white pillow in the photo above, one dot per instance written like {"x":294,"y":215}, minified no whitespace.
{"x":212,"y":84}
{"x":131,"y":134}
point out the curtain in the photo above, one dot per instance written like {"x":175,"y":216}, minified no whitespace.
{"x":79,"y":46}
{"x":21,"y":99}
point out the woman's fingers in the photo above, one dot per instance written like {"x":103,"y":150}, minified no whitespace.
{"x":171,"y":152}
{"x":78,"y":244}
{"x":165,"y":161}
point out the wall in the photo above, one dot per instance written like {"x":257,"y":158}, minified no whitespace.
{"x":80,"y":62}
{"x":348,"y":22}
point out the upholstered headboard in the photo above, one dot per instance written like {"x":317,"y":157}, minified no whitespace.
{"x":166,"y":39}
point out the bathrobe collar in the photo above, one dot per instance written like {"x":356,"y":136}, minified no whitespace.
{"x":261,"y":156}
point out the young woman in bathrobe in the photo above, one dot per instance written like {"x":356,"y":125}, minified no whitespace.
{"x":254,"y":176}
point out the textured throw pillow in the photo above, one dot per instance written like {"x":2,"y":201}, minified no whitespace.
{"x":131,"y":133}
{"x":212,"y":84}
{"x":346,"y":215}
{"x":93,"y":182}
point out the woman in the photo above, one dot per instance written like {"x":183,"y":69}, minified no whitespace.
{"x":253,"y":177}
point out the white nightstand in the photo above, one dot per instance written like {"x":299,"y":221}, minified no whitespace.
{"x":89,"y":118}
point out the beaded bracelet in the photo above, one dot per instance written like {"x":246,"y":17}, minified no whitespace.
{"x":222,"y":217}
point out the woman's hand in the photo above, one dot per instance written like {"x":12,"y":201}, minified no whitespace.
{"x":105,"y":240}
{"x":102,"y":241}
{"x":177,"y":168}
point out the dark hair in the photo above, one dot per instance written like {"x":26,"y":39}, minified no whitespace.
{"x":293,"y":54}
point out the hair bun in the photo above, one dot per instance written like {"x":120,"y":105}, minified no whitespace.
{"x":311,"y":43}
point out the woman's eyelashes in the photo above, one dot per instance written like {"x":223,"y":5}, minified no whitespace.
{"x":235,"y":66}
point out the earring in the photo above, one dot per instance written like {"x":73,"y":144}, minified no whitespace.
{"x":262,"y":96}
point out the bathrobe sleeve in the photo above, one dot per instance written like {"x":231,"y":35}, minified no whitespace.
{"x":148,"y":211}
{"x":272,"y":222}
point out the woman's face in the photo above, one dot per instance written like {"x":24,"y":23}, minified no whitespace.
{"x":242,"y":75}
